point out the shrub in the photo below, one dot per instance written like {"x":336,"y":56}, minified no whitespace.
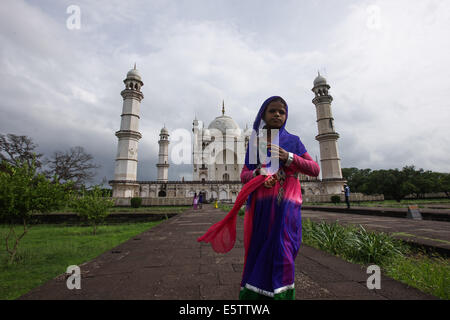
{"x":93,"y":207}
{"x":22,"y":192}
{"x":329,"y":237}
{"x":308,"y":228}
{"x":136,"y":202}
{"x":335,"y":199}
{"x":371,"y":247}
{"x":355,"y":244}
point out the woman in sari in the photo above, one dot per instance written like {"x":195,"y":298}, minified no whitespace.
{"x":272,"y":222}
{"x":195,"y":201}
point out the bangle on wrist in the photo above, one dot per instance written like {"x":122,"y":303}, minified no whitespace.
{"x":289,"y":160}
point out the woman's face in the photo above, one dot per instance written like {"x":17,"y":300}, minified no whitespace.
{"x":275,"y":115}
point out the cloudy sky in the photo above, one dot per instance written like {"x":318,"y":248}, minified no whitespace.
{"x":386,"y":62}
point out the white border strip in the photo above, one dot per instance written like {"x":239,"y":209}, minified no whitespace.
{"x":260,"y":291}
{"x":285,"y":288}
{"x":267,"y":293}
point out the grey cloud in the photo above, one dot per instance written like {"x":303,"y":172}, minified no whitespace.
{"x":62,"y":87}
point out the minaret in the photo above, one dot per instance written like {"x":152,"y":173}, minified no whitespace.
{"x":327,"y":137}
{"x":126,"y":159}
{"x":196,"y":148}
{"x":163,"y":162}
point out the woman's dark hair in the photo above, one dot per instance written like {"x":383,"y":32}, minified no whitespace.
{"x":279,"y":99}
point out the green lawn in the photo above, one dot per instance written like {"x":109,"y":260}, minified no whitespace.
{"x":47,"y":250}
{"x":428,"y":273}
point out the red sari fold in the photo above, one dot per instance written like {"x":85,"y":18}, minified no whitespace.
{"x":222,"y":235}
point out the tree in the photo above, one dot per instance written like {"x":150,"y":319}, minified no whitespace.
{"x":411,"y":175}
{"x":425,"y":182}
{"x":93,"y":206}
{"x":396,"y":184}
{"x":23,"y":192}
{"x":74,"y":165}
{"x":356,"y":178}
{"x":18,"y":149}
{"x":392,"y":183}
{"x":443,"y":183}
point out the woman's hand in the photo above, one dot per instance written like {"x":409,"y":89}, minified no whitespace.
{"x":269,"y":183}
{"x":278,"y":152}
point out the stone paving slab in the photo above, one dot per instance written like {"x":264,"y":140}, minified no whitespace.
{"x":166,"y":262}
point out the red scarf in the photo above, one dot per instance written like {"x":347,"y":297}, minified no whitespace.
{"x":222,"y":235}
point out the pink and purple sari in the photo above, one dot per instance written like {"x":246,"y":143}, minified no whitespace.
{"x":272,"y":222}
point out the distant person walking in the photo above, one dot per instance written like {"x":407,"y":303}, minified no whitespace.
{"x":347,"y":195}
{"x":200,"y":200}
{"x":195,"y":203}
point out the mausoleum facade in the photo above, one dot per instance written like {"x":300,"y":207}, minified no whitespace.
{"x":218,"y":155}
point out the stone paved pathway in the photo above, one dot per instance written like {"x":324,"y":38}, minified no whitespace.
{"x":166,"y":262}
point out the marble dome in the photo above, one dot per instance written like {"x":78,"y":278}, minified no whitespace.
{"x":164,"y":131}
{"x":206,"y":134}
{"x":134,"y":74}
{"x":248,"y":131}
{"x":319,"y":80}
{"x":224,"y":123}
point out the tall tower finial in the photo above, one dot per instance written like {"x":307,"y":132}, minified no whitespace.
{"x":135,"y":66}
{"x":223,"y":107}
